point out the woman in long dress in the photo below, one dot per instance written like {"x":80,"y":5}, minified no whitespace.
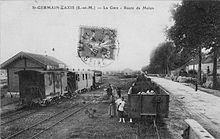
{"x":112,"y":107}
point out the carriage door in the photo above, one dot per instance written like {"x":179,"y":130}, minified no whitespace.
{"x":31,"y":85}
{"x":71,"y":82}
{"x":86,"y":80}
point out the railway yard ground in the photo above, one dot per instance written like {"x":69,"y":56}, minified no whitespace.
{"x":86,"y":115}
{"x":9,"y":102}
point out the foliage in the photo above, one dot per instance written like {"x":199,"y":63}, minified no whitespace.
{"x":164,"y":58}
{"x":192,"y":73}
{"x":195,"y":23}
{"x":197,"y":26}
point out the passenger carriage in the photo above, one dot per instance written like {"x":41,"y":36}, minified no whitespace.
{"x":84,"y":80}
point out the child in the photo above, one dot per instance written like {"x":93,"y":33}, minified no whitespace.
{"x":120,"y":107}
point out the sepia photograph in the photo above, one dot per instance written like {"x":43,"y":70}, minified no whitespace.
{"x":110,"y":69}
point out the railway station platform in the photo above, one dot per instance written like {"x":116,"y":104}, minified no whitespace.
{"x":202,"y":106}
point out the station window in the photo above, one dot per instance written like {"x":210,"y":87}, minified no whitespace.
{"x":83,"y":76}
{"x":86,"y":76}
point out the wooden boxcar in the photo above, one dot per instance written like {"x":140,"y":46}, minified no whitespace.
{"x":41,"y":86}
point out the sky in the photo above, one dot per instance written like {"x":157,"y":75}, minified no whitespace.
{"x":24,"y":28}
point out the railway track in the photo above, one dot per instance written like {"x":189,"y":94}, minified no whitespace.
{"x":36,"y":129}
{"x":17,"y":118}
{"x":151,"y":130}
{"x":3,"y":116}
{"x":49,"y":127}
{"x":147,"y":127}
{"x":156,"y":130}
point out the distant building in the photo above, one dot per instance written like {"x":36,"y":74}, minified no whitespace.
{"x":27,"y":61}
{"x":127,"y":71}
{"x":207,"y":62}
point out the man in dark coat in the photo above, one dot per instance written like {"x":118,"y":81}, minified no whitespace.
{"x":119,"y":92}
{"x":109,"y":90}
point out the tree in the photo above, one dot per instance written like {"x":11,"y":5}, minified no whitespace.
{"x":164,"y":58}
{"x":211,"y":39}
{"x":196,"y":27}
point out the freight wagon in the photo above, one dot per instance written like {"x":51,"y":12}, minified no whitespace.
{"x":41,"y":86}
{"x":145,"y":98}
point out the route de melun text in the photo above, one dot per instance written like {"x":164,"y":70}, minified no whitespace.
{"x":71,"y":7}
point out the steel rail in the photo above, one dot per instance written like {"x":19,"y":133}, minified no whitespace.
{"x":15,"y":113}
{"x":18,"y":118}
{"x":21,"y":131}
{"x":58,"y":122}
{"x":157,"y":131}
{"x":10,"y":114}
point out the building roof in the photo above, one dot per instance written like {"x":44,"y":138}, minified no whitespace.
{"x":209,"y":59}
{"x":44,"y":60}
{"x":205,"y":60}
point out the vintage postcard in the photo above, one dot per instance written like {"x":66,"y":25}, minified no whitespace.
{"x":110,"y":69}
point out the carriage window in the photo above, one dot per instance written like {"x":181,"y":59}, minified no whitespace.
{"x":83,"y":76}
{"x":86,"y":76}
